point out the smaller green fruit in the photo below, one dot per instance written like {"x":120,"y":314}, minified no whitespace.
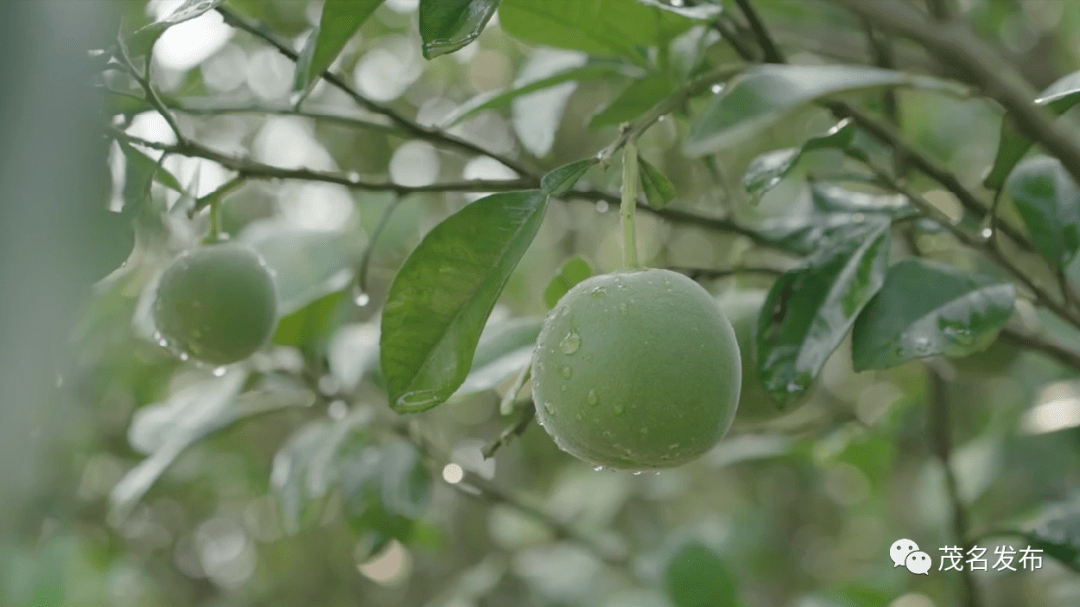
{"x":217,"y":303}
{"x":742,"y":308}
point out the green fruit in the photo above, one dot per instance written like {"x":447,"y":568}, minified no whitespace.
{"x":742,"y":308}
{"x":217,"y":303}
{"x":636,"y":370}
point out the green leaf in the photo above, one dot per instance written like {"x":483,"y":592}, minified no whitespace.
{"x":1049,"y":203}
{"x":810,"y":309}
{"x":448,"y":25}
{"x":1056,"y":531}
{"x":563,"y":179}
{"x":140,"y":168}
{"x":526,"y":85}
{"x":536,"y":116}
{"x":766,"y":93}
{"x":821,"y":208}
{"x":696,"y":577}
{"x":658,"y":190}
{"x":634,"y":100}
{"x":928,"y":309}
{"x":308,"y":265}
{"x":505,"y":349}
{"x":352,"y":353}
{"x":766,"y":171}
{"x":406,"y":483}
{"x":141,"y":40}
{"x":312,"y":323}
{"x":597,"y":27}
{"x":442,"y":295}
{"x":306,"y":467}
{"x":164,"y":430}
{"x":1058,"y":98}
{"x":339,"y":22}
{"x":704,"y":12}
{"x":573,"y":271}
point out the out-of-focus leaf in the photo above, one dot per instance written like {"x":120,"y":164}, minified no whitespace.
{"x":1056,"y":531}
{"x":140,"y":169}
{"x":448,"y":25}
{"x":505,"y":349}
{"x":139,"y":43}
{"x":572,"y":271}
{"x":1049,"y":203}
{"x":658,"y":190}
{"x":696,"y":577}
{"x":1057,"y":98}
{"x":531,"y":84}
{"x":312,"y":323}
{"x":810,"y":309}
{"x":406,"y":483}
{"x":634,"y":100}
{"x":307,"y":467}
{"x":339,"y":22}
{"x":597,"y":27}
{"x":536,"y":116}
{"x":766,"y":93}
{"x":165,"y":429}
{"x":703,"y":12}
{"x":442,"y":295}
{"x":563,"y":179}
{"x":766,"y":171}
{"x":352,"y":353}
{"x":308,"y":265}
{"x":928,"y":309}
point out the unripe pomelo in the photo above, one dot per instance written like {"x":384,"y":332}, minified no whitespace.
{"x":217,"y":303}
{"x":636,"y":370}
{"x":742,"y":308}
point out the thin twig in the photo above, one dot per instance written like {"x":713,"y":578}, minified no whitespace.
{"x":889,"y":136}
{"x":956,"y":44}
{"x":1042,"y":297}
{"x":405,"y":124}
{"x":1037,"y":343}
{"x":257,"y":170}
{"x":940,"y":431}
{"x":765,"y":41}
{"x":507,"y":435}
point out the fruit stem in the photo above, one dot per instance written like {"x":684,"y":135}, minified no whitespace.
{"x":629,"y":202}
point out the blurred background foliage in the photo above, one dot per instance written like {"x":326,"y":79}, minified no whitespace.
{"x":287,"y":480}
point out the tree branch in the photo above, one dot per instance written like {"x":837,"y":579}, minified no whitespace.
{"x":940,"y":431}
{"x":257,"y":170}
{"x":956,"y":44}
{"x":511,"y":432}
{"x":405,"y":124}
{"x":765,"y":41}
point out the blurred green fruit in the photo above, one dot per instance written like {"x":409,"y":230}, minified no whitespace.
{"x":742,"y":309}
{"x":636,"y":370}
{"x":217,"y":303}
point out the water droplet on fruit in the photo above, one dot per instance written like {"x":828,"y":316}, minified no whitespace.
{"x":624,"y":309}
{"x":593,"y":398}
{"x":566,"y":371}
{"x":563,"y":388}
{"x":570,"y":343}
{"x":673,"y":446}
{"x":598,"y":468}
{"x":619,"y":409}
{"x":636,"y":472}
{"x":793,"y":387}
{"x":579,"y":417}
{"x":550,"y":408}
{"x":644,"y":431}
{"x":598,"y":291}
{"x":219,"y":371}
